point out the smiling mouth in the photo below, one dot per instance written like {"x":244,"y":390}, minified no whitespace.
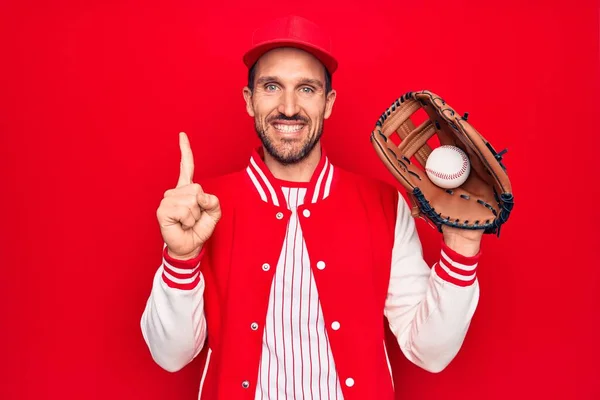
{"x":288,"y":128}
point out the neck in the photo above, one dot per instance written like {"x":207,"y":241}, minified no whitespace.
{"x":298,"y":172}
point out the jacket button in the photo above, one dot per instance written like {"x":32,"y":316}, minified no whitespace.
{"x":349,"y":382}
{"x":266,"y":267}
{"x":254,"y":326}
{"x":335,"y":325}
{"x":246,"y":384}
{"x":306,"y":213}
{"x":321,"y":265}
{"x":279,"y":215}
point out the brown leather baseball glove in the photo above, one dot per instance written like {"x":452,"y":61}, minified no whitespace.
{"x":483,"y":201}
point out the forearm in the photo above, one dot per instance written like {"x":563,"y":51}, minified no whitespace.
{"x":430,"y":310}
{"x":440,"y":323}
{"x":173,"y":323}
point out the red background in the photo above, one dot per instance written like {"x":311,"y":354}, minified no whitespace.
{"x":93,"y":95}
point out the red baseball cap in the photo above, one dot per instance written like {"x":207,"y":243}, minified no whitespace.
{"x":292,"y":31}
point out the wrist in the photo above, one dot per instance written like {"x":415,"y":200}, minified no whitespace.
{"x":463,"y":246}
{"x":184,"y":257}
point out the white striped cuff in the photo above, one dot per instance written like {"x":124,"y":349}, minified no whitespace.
{"x":181,"y":274}
{"x":456,"y":268}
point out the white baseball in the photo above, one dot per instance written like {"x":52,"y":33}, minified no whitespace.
{"x":448,"y":167}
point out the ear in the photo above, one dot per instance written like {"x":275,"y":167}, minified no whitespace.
{"x":248,"y":98}
{"x":329,"y":103}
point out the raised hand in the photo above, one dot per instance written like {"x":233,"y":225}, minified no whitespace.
{"x":187,"y":215}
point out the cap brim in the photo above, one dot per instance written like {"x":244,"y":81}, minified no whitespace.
{"x":256,"y":52}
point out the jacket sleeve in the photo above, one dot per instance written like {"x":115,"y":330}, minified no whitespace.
{"x":429,"y":309}
{"x":173,"y":322}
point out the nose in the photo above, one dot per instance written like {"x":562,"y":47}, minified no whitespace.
{"x":289,"y":104}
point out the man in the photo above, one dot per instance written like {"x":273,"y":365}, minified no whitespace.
{"x":283,"y":275}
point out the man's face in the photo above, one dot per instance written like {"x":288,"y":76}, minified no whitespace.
{"x":289,"y":103}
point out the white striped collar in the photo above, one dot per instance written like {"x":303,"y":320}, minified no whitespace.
{"x":269,"y":188}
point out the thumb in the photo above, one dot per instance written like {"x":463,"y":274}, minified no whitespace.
{"x":186,"y":167}
{"x":210,"y":204}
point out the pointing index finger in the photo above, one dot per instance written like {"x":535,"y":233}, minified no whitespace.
{"x":186,"y":168}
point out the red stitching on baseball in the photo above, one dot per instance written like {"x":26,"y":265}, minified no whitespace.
{"x":454,"y":175}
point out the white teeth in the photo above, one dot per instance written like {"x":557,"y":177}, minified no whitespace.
{"x":288,"y":128}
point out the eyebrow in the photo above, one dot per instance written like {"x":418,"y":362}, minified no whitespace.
{"x":304,"y":81}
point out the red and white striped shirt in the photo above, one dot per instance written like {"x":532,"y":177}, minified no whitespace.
{"x":296,"y":359}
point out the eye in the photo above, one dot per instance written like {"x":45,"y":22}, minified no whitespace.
{"x":271,"y":87}
{"x":307,"y":89}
